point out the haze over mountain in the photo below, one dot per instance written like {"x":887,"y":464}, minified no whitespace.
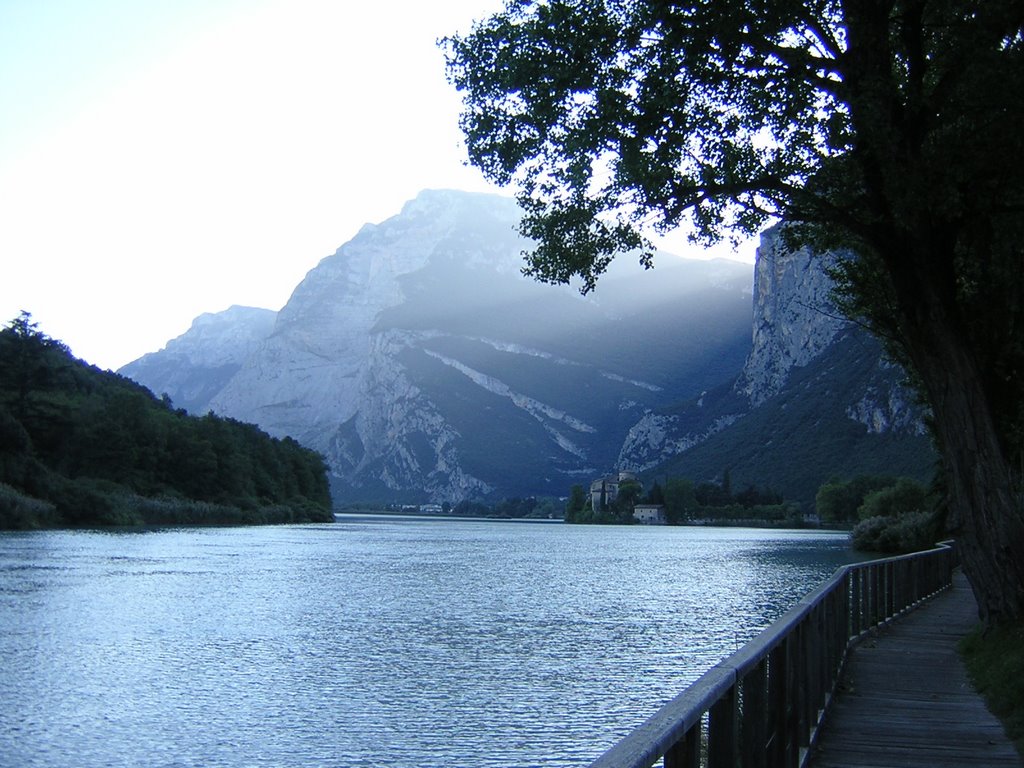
{"x":816,"y":398}
{"x":424,"y":365}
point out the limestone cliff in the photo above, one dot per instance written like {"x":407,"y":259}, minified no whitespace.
{"x":424,"y":365}
{"x":815,"y":396}
{"x":794,"y":317}
{"x":195,"y":366}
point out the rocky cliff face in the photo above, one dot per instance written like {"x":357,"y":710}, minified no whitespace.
{"x":815,"y":397}
{"x":197,"y":365}
{"x":322,"y":360}
{"x":794,"y":321}
{"x":424,"y":366}
{"x":421,"y":362}
{"x":794,"y":317}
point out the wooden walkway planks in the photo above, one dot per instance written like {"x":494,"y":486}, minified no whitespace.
{"x":905,"y":700}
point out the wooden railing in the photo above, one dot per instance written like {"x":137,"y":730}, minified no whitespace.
{"x":761,"y":707}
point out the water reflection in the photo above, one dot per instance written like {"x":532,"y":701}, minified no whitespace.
{"x":373,"y":641}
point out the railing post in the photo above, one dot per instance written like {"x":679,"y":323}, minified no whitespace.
{"x":899,"y":587}
{"x":778,"y":719}
{"x":722,"y":731}
{"x":754,"y":720}
{"x":886,"y":592}
{"x":876,"y":597}
{"x":914,"y":580}
{"x":890,"y":589}
{"x":816,"y":661}
{"x":686,"y":752}
{"x":913,"y":576}
{"x":794,"y":704}
{"x":808,"y":665}
{"x":856,"y":607}
{"x":835,"y":618}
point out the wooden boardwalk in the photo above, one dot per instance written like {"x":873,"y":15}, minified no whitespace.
{"x":905,"y":700}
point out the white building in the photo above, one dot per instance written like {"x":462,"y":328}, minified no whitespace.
{"x":650,"y":514}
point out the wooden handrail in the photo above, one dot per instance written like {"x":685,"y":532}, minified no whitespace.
{"x":761,"y":707}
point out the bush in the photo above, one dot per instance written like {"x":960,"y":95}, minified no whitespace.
{"x":306,"y":511}
{"x":90,"y":502}
{"x":905,"y":495}
{"x":909,"y":532}
{"x":178,"y":511}
{"x":21,"y":512}
{"x":838,"y":501}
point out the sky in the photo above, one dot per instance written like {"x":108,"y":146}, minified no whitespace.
{"x":165,"y":158}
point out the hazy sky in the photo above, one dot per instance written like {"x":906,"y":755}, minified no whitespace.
{"x":164,"y":158}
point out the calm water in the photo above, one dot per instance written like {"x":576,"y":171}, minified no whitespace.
{"x":373,"y":641}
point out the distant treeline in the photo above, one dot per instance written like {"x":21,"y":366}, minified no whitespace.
{"x":529,"y":507}
{"x":85,"y":447}
{"x":685,"y":502}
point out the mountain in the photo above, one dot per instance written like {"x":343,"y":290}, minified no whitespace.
{"x":815,"y":398}
{"x":424,"y":365}
{"x":196,"y":366}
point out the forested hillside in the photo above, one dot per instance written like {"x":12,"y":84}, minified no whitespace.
{"x":81,"y":447}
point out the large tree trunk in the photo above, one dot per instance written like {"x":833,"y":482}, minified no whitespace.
{"x":923,"y":236}
{"x":986,"y":517}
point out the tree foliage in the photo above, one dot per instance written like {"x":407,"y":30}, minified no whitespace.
{"x":680,"y":500}
{"x":902,"y":497}
{"x":839,"y":501}
{"x":887,"y":128}
{"x":79,"y":446}
{"x":516,"y":507}
{"x":908,"y":532}
{"x":890,"y":514}
{"x":576,"y":503}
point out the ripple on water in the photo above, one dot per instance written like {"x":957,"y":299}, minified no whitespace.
{"x":376,"y":641}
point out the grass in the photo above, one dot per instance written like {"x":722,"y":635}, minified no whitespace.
{"x":995,"y":663}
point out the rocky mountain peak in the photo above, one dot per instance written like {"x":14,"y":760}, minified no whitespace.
{"x":421,"y":362}
{"x":195,"y":366}
{"x":795,"y":319}
{"x":424,"y":366}
{"x":223,"y":337}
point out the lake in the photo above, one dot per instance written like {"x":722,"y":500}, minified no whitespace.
{"x":375,"y":641}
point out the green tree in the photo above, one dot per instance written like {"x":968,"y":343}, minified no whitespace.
{"x":904,"y":496}
{"x":834,"y":504}
{"x":630,"y":493}
{"x":838,"y":501}
{"x":34,"y":366}
{"x":94,"y":448}
{"x":712,"y":495}
{"x":656,"y":495}
{"x":888,"y":128}
{"x":574,"y":506}
{"x":680,"y":500}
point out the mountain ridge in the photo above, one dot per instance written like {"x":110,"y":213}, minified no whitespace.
{"x":425,"y":367}
{"x":816,"y":397}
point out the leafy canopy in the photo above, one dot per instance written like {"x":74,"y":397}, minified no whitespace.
{"x":619,"y":117}
{"x":80,"y":446}
{"x":890,"y":129}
